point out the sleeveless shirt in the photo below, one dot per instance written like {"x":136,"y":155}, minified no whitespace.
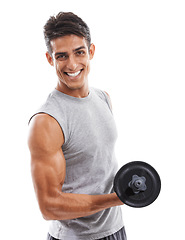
{"x":89,"y":139}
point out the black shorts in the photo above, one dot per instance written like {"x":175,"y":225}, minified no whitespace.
{"x":120,"y":235}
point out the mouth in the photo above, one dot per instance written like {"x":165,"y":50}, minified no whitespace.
{"x":74,"y":74}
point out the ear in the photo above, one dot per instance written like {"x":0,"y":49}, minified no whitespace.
{"x":92,"y":51}
{"x":49,"y":58}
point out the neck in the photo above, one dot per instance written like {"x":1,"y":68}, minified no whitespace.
{"x":80,"y":92}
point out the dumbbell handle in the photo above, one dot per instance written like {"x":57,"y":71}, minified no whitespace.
{"x":137,"y":184}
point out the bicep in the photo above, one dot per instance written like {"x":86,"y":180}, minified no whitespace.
{"x":48,"y":174}
{"x":47,"y":160}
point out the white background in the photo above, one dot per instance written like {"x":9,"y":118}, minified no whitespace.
{"x":139,"y":61}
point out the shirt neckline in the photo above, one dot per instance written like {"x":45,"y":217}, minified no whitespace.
{"x":74,"y":98}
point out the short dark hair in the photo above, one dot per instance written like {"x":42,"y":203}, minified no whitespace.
{"x":63,"y":24}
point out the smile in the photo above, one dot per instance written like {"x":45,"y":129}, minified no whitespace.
{"x":73,"y":74}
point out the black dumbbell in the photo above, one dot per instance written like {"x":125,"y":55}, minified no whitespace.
{"x":137,"y":184}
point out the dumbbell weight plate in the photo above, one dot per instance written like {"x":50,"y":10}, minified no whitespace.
{"x":124,"y":177}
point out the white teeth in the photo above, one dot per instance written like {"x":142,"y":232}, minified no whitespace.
{"x":74,"y":74}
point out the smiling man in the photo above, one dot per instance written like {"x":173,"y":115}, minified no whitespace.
{"x":71,"y":141}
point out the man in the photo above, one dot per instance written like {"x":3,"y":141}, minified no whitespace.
{"x":71,"y":141}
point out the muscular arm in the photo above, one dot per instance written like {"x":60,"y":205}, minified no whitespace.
{"x":48,"y":173}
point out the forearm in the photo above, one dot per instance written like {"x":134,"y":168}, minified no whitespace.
{"x":70,"y":206}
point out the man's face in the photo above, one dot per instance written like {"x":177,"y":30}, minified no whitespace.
{"x":71,"y":59}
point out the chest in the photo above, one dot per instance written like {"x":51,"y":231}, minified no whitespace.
{"x":90,"y":127}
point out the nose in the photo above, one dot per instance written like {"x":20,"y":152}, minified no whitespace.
{"x":71,"y":63}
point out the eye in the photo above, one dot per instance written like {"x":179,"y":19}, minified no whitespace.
{"x":61,"y":57}
{"x":80,"y":53}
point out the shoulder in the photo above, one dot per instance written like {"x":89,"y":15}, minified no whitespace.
{"x":53,"y":101}
{"x":42,"y":121}
{"x":98,"y":92}
{"x":104,"y":96}
{"x":101,"y":93}
{"x":44,"y":133}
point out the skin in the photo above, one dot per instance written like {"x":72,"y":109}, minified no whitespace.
{"x":48,"y":165}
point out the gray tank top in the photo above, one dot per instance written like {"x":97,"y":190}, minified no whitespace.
{"x":90,"y":135}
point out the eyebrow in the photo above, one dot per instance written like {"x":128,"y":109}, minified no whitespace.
{"x":75,"y":50}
